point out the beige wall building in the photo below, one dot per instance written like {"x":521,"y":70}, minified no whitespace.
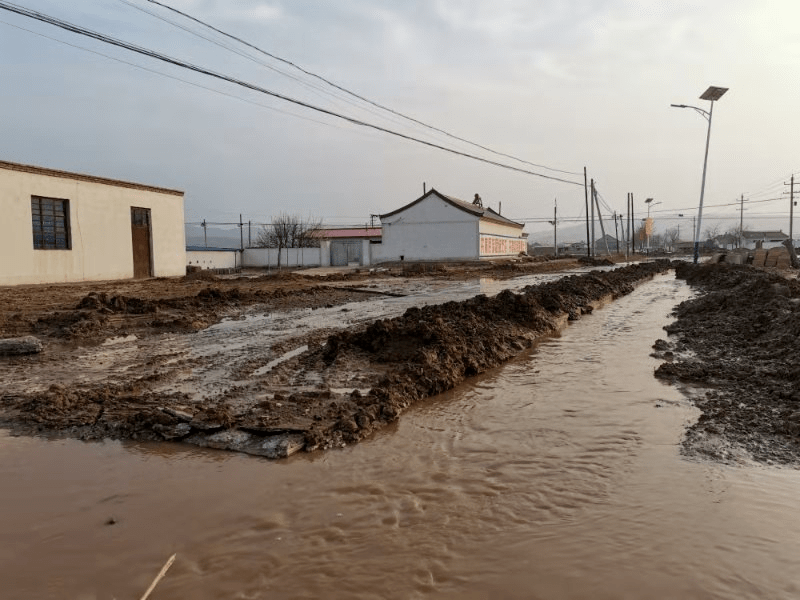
{"x":58,"y":226}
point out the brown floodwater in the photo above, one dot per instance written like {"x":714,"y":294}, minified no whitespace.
{"x":556,"y":476}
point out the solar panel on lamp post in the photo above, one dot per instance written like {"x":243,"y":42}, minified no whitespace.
{"x":712,"y":94}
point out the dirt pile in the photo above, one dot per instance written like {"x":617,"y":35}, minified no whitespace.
{"x":334,"y":393}
{"x":741,"y":338}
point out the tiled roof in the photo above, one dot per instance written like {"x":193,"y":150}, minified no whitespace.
{"x":765,"y":235}
{"x":473,"y":209}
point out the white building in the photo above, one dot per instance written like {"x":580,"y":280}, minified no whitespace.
{"x":439,"y":227}
{"x":763,"y":239}
{"x":58,"y":226}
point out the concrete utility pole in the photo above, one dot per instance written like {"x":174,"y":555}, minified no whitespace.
{"x":205,"y":233}
{"x":616,"y":232}
{"x":741,"y":221}
{"x":586,"y":197}
{"x":241,"y":231}
{"x":592,"y":204}
{"x":629,"y":241}
{"x":791,"y":209}
{"x":554,"y":223}
{"x":600,"y":217}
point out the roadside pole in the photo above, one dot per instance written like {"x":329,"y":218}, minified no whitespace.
{"x":586,"y":197}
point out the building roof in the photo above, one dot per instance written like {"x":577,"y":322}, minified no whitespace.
{"x":765,"y":235}
{"x":350,"y":232}
{"x":10,"y":166}
{"x":473,"y":209}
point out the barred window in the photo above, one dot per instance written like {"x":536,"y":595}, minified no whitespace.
{"x":50,"y":218}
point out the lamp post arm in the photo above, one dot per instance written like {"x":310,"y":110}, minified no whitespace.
{"x":702,"y":112}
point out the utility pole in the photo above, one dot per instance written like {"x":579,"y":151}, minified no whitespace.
{"x":205,"y":233}
{"x":600,"y":217}
{"x":241,"y":231}
{"x":633,"y":227}
{"x":249,"y":234}
{"x":741,"y":221}
{"x":629,"y":241}
{"x":616,"y":233}
{"x":586,"y":197}
{"x":554,"y":223}
{"x":791,"y":210}
{"x":592,"y":203}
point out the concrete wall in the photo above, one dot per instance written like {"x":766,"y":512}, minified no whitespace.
{"x":429,"y":230}
{"x":290,"y":257}
{"x":213,"y":259}
{"x":100,"y":228}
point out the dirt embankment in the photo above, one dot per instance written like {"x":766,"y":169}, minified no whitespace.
{"x":334,"y":393}
{"x":739,"y":340}
{"x":86,"y":313}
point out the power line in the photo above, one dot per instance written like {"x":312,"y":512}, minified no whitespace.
{"x":186,"y":81}
{"x":164,"y":58}
{"x":347,"y":91}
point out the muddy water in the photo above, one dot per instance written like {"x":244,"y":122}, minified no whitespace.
{"x":556,"y":476}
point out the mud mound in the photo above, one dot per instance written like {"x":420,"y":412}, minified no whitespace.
{"x":393,"y":363}
{"x":431,"y":349}
{"x":595,"y":262}
{"x":740,"y":337}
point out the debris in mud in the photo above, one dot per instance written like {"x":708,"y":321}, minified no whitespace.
{"x":23,"y":345}
{"x":740,"y":340}
{"x":336,"y":392}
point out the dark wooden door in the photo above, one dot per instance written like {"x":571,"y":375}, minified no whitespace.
{"x":140,"y":230}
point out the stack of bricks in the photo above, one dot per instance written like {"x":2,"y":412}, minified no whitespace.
{"x":781,"y":258}
{"x":759,"y":257}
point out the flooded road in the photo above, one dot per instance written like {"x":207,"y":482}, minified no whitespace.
{"x":555,"y":476}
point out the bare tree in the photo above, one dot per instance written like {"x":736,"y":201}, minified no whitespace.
{"x":672,"y":236}
{"x":737,"y":233}
{"x":712,"y":231}
{"x":289,"y":231}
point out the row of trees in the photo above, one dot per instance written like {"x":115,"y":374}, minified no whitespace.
{"x":669,"y":239}
{"x":289,"y":231}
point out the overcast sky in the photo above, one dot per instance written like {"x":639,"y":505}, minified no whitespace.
{"x":563,"y":84}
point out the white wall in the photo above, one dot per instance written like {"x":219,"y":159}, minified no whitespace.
{"x":213,"y":259}
{"x":290,"y":257}
{"x":100,"y":229}
{"x":493,"y":228}
{"x":429,"y":230}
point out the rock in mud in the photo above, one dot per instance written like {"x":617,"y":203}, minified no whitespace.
{"x":275,"y":446}
{"x":22,"y":345}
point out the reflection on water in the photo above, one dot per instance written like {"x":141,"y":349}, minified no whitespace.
{"x":556,"y":476}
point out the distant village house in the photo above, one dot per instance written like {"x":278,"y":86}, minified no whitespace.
{"x":440,"y":227}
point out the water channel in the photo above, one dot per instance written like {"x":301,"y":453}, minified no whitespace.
{"x":558,"y":475}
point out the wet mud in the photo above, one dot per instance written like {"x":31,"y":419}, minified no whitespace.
{"x":738,"y":342}
{"x":334,"y":390}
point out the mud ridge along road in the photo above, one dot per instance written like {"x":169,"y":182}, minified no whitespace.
{"x":736,"y":349}
{"x":270,"y":366}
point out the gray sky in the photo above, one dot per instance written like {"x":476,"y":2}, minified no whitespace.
{"x":565,"y":84}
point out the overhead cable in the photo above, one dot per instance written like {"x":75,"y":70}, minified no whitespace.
{"x":162,"y":57}
{"x":354,"y":94}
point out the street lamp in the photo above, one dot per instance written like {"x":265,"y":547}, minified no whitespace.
{"x":712,"y":94}
{"x":647,"y":224}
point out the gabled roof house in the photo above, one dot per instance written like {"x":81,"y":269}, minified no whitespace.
{"x":439,"y":227}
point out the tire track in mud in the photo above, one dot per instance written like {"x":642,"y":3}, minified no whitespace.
{"x":341,"y":391}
